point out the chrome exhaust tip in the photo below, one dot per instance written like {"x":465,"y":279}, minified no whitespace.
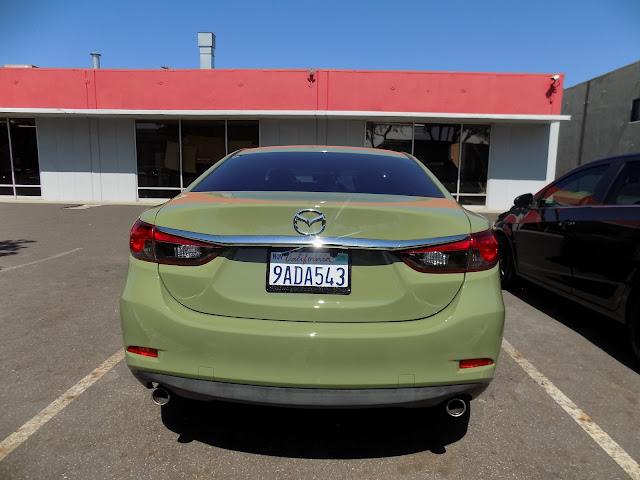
{"x":160,"y":396}
{"x":456,"y":407}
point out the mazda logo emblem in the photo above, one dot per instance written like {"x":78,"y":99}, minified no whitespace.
{"x":309,"y":217}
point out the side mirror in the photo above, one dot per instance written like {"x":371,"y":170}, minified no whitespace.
{"x":523,"y":201}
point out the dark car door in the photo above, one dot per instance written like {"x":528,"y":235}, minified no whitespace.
{"x":543,"y":235}
{"x":605,"y":247}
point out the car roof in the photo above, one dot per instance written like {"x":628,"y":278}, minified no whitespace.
{"x":621,"y":157}
{"x":594,"y":163}
{"x":322,"y":148}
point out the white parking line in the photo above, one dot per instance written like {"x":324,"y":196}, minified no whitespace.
{"x":41,"y":260}
{"x":18,"y":437}
{"x":614,"y":450}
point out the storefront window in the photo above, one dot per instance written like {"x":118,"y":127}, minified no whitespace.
{"x":389,"y":136}
{"x":173,"y":153}
{"x":158,"y":151}
{"x":457,"y":154}
{"x":243,"y":134}
{"x":475,"y":159}
{"x":202,"y":146}
{"x":5,"y":160}
{"x":19,"y":165}
{"x":438,"y":147}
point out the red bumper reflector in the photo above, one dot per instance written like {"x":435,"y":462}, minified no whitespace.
{"x":147,"y":352}
{"x":475,"y":362}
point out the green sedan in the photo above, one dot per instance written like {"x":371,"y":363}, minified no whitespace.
{"x":314,"y":277}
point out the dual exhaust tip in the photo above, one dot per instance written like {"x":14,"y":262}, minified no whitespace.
{"x":160,"y":396}
{"x":456,"y":407}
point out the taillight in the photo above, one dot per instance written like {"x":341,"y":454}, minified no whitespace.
{"x":479,"y":251}
{"x":151,"y":245}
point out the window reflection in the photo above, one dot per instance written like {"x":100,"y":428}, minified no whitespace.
{"x":457,"y":154}
{"x":438,"y":147}
{"x":576,"y":189}
{"x":243,"y":134}
{"x":158,"y":153}
{"x":24,"y":148}
{"x":168,"y":161}
{"x":19,"y":164}
{"x":475,"y":159}
{"x":202,"y":145}
{"x":389,"y":136}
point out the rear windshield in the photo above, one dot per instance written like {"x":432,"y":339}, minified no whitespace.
{"x":320,"y":172}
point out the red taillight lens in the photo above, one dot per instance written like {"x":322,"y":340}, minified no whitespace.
{"x":141,"y":236}
{"x":475,"y":362}
{"x":146,"y":351}
{"x":477,"y":252}
{"x":485,"y":248}
{"x":151,"y":245}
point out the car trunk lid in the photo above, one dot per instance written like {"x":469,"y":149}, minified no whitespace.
{"x":383,"y":288}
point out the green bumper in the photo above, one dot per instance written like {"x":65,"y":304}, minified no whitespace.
{"x":384,"y":355}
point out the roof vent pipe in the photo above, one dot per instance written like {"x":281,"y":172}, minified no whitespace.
{"x":96,"y":59}
{"x":207,"y":44}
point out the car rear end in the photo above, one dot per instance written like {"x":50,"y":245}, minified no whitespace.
{"x":353,"y":292}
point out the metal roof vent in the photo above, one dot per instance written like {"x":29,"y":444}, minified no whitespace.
{"x":207,"y":44}
{"x":96,"y":59}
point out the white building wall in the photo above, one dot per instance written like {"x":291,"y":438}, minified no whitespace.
{"x":84,"y":159}
{"x":116,"y":147}
{"x":519,"y":162}
{"x":346,"y":133}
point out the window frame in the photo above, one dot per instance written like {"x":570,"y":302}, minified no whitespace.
{"x":21,"y":186}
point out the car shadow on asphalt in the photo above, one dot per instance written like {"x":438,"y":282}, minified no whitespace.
{"x":314,"y":434}
{"x":607,"y":334}
{"x":11,"y":247}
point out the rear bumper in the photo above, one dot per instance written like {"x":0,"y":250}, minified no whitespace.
{"x":310,"y":397}
{"x":390,"y":356}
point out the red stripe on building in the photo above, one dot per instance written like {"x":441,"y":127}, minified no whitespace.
{"x":329,"y":90}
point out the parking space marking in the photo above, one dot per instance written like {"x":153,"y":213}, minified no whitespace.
{"x":18,"y":437}
{"x":614,"y":450}
{"x":41,"y":260}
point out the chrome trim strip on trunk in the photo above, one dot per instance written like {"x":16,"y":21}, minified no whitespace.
{"x":309,"y":241}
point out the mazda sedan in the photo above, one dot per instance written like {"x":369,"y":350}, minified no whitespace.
{"x":314,"y":277}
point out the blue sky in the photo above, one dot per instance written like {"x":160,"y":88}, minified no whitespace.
{"x":581,"y":38}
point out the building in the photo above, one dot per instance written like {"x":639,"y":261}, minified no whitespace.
{"x":605,"y":118}
{"x":127,"y":135}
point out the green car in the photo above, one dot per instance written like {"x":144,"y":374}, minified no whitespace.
{"x":314,"y":277}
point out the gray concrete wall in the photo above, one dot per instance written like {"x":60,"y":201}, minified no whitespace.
{"x":83,"y":159}
{"x":607,"y":126}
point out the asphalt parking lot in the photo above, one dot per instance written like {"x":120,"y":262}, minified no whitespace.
{"x":71,"y":409}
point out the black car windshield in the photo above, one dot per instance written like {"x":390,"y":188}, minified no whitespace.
{"x":316,"y":171}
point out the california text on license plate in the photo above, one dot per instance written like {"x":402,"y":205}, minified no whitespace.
{"x":303,"y":271}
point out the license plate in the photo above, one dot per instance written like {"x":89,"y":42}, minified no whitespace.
{"x":303,"y":271}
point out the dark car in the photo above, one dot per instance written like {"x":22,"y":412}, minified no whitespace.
{"x":580,"y":237}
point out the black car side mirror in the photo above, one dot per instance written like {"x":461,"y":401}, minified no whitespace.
{"x":523,"y":201}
